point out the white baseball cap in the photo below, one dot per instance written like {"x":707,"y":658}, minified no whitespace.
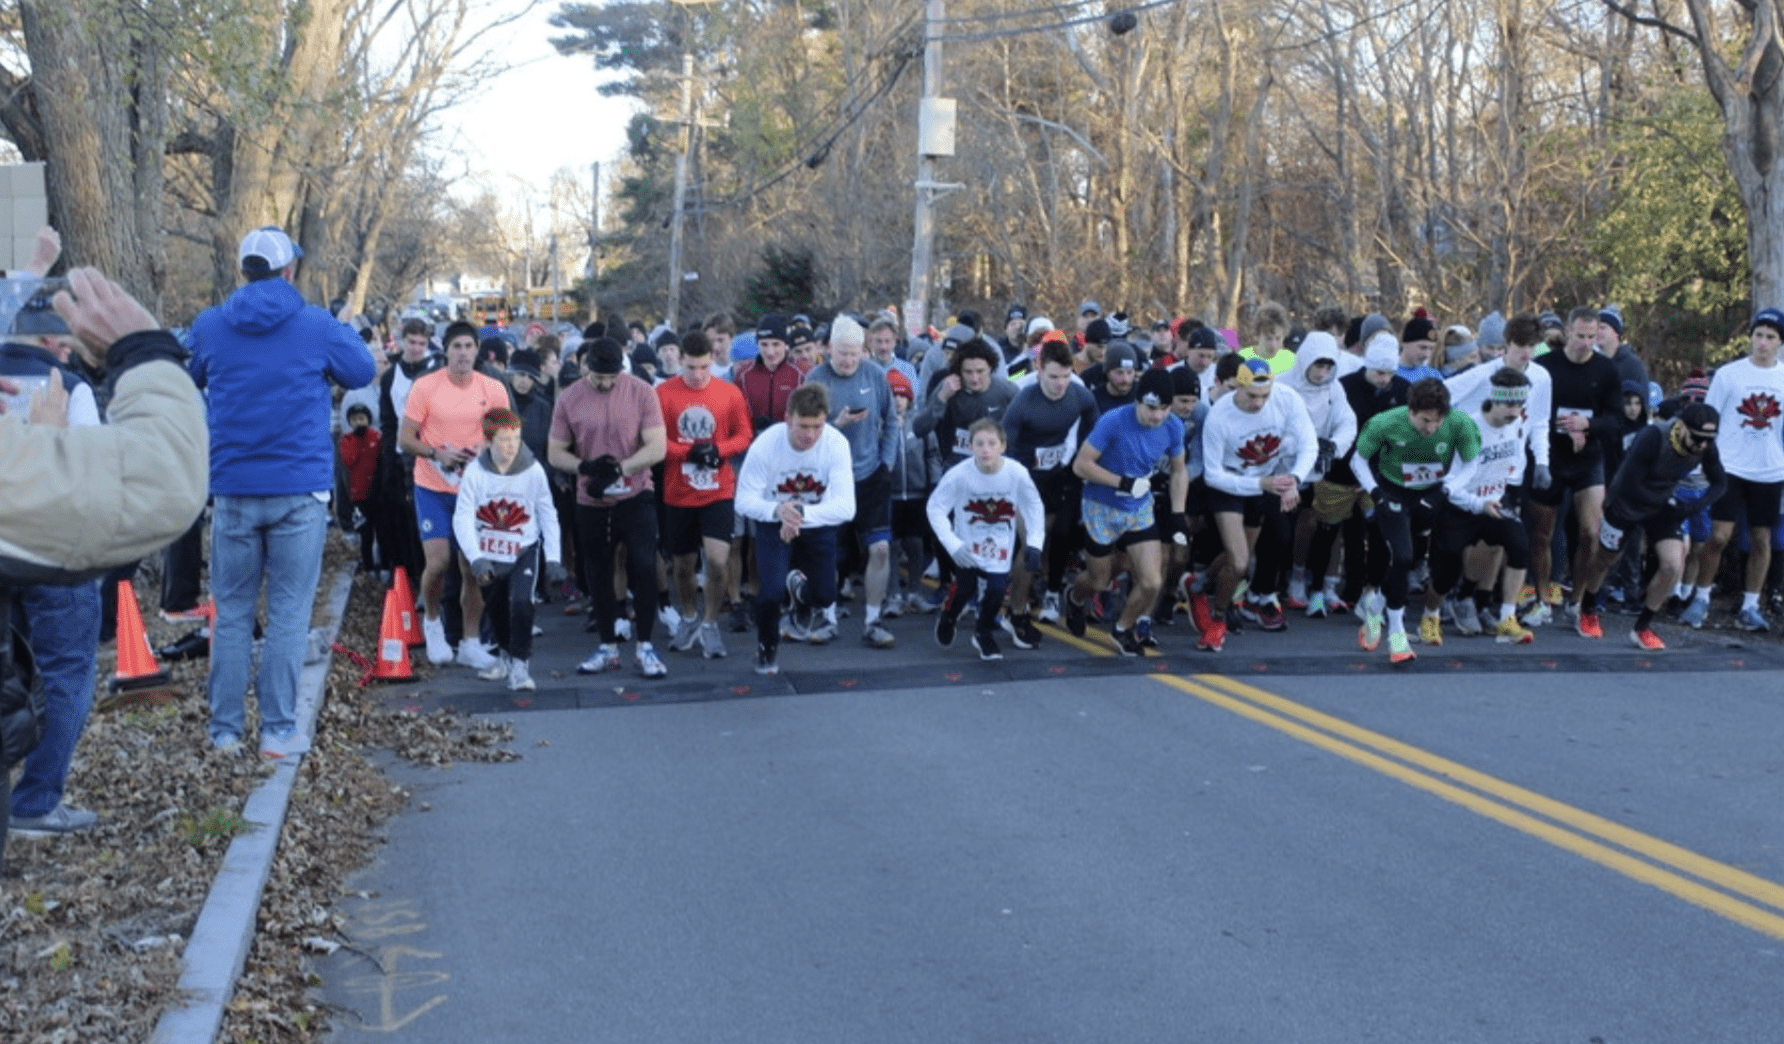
{"x":271,"y":245}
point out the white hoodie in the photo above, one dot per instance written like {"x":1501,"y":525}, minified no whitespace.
{"x":498,"y":516}
{"x":1327,"y":405}
{"x":1239,"y":448}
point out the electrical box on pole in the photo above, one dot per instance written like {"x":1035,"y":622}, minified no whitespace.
{"x":935,"y":127}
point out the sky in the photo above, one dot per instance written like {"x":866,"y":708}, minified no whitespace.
{"x":542,"y":114}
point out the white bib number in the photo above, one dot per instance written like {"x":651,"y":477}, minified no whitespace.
{"x":497,"y":546}
{"x":1048,"y":458}
{"x":1421,"y":475}
{"x":705,"y":479}
{"x":1610,"y":536}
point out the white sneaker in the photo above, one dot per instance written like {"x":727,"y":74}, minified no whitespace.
{"x":1049,"y":608}
{"x":472,"y":654}
{"x":685,"y":634}
{"x":649,"y":663}
{"x":518,"y":678}
{"x":496,"y":671}
{"x":439,"y":650}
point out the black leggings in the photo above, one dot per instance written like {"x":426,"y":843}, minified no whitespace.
{"x":966,"y":584}
{"x":1400,"y":515}
{"x":508,"y":605}
{"x":632,"y":522}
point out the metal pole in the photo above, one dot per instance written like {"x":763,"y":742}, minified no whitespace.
{"x":681,"y":188}
{"x":923,"y":223}
{"x":594,"y":227}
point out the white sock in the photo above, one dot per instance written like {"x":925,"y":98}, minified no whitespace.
{"x":1507,"y":611}
{"x":1701,"y":593}
{"x":873,"y":615}
{"x":1749,"y":600}
{"x":1682,"y":592}
{"x":1397,"y":621}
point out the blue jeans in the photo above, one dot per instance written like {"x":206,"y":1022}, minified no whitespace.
{"x":276,"y":540}
{"x":62,"y":624}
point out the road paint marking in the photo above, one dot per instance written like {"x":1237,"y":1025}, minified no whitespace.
{"x":1592,"y":837}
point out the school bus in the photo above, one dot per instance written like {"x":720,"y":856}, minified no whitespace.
{"x":489,"y":309}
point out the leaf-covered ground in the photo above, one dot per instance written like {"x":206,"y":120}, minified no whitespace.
{"x":92,"y":926}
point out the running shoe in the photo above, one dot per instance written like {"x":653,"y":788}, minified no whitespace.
{"x":519,"y":679}
{"x":1430,"y":629}
{"x":1213,"y":637}
{"x":712,"y":643}
{"x":1369,"y":635}
{"x":986,"y":645}
{"x":1589,"y":626}
{"x":1751,"y":619}
{"x":1022,"y":630}
{"x":1510,"y":632}
{"x":767,"y":661}
{"x":687,"y":632}
{"x":1316,"y":606}
{"x":604,"y":658}
{"x":944,"y":629}
{"x":892,"y":608}
{"x":875,"y":636}
{"x":1695,"y":613}
{"x":1269,"y":615}
{"x":1400,"y":649}
{"x":1076,"y":616}
{"x":649,"y":663}
{"x":1463,"y":615}
{"x":497,"y":671}
{"x":1143,"y":633}
{"x":1049,"y":608}
{"x":439,"y":650}
{"x":823,"y":630}
{"x":1646,"y":639}
{"x":1126,"y":642}
{"x":1538,"y":616}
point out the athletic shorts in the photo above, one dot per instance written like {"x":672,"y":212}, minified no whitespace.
{"x":1333,"y":502}
{"x":1759,"y":498}
{"x":1570,"y":478}
{"x":685,"y":527}
{"x":910,"y":519}
{"x":1251,"y":508}
{"x":433,"y":513}
{"x":873,"y":507}
{"x":1107,"y":529}
{"x":1656,"y":527}
{"x":1060,"y":490}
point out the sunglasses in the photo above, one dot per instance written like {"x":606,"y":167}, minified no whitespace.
{"x":1700,"y":437}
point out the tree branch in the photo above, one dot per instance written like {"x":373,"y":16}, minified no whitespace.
{"x":1653,"y":23}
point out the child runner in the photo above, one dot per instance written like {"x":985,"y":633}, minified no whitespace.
{"x":504,"y":516}
{"x":986,"y":494}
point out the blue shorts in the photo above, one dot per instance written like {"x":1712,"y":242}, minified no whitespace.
{"x":433,"y":513}
{"x":1697,"y":524}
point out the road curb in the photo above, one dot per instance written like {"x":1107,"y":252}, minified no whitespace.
{"x":218,"y":950}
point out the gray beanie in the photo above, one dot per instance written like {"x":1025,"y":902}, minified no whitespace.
{"x":1492,"y":331}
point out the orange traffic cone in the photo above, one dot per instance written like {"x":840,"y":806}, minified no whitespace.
{"x":393,"y":649}
{"x":405,"y":603}
{"x":136,"y":662}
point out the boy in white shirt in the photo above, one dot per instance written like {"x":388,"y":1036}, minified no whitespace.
{"x":986,"y":494}
{"x":503,"y":518}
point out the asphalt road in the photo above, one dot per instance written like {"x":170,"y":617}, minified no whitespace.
{"x":1569,"y":842}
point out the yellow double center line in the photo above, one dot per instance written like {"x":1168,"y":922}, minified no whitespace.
{"x":1717,"y":887}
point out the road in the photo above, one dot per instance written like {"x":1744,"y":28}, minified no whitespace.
{"x":1570,"y":842}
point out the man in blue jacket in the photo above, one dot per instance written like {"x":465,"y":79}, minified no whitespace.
{"x":265,"y":359}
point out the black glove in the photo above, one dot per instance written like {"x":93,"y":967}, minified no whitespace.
{"x":554,"y":573}
{"x":1177,"y":527}
{"x":706,"y":455}
{"x":1031,"y":559}
{"x":1323,"y":463}
{"x":602,"y":472}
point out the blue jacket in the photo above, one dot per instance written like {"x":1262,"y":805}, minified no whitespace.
{"x":265,"y":359}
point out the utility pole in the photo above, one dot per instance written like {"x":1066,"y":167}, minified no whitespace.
{"x":594,"y":226}
{"x":935,"y":138}
{"x":673,"y":308}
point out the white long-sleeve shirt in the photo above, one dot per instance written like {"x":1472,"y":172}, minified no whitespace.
{"x":1469,"y":389}
{"x":1498,"y":466}
{"x":1240,"y":449}
{"x":498,"y":516}
{"x":985,"y":509}
{"x":821,"y":479}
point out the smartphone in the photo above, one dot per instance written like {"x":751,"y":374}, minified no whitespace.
{"x":28,"y":386}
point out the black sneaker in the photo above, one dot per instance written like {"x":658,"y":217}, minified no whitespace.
{"x":1022,"y":630}
{"x":987,"y":646}
{"x":1127,"y":641}
{"x":944,"y":629}
{"x":1143,"y":633}
{"x":767,"y":659}
{"x":1076,"y":616}
{"x":1235,"y":621}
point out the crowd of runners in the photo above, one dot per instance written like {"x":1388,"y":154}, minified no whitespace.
{"x":715,"y":481}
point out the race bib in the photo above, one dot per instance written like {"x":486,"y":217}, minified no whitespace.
{"x":618,"y":489}
{"x":496,"y":545}
{"x":990,"y":551}
{"x":704,"y":479}
{"x":963,"y":443}
{"x":1569,"y":411}
{"x":1421,"y":475}
{"x":451,"y":475}
{"x":1048,"y":458}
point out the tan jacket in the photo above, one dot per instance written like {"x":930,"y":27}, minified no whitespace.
{"x":75,"y":501}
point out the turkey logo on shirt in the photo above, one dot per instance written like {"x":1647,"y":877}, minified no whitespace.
{"x":504,"y":516}
{"x":800,"y":488}
{"x":991,"y":511}
{"x":1259,"y":450}
{"x":1758,"y":411}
